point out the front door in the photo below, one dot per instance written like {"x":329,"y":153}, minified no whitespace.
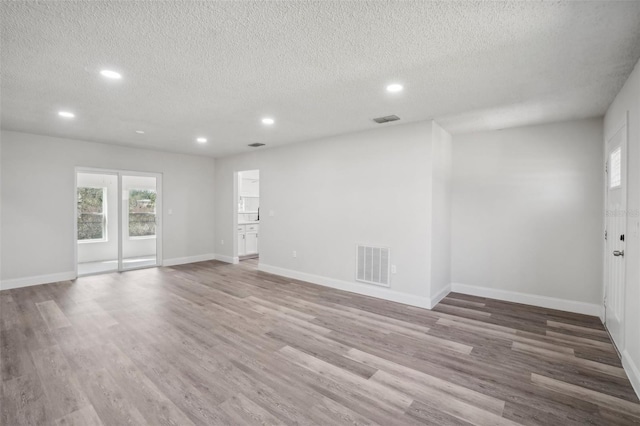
{"x":616,"y":222}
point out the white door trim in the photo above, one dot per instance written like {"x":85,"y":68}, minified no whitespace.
{"x":119,"y":173}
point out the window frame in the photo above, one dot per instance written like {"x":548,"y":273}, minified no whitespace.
{"x":141,"y":237}
{"x":618,"y":152}
{"x":105,"y":223}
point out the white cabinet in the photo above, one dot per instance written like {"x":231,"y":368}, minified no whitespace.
{"x":247,"y":239}
{"x":241,"y":247}
{"x":251,"y":243}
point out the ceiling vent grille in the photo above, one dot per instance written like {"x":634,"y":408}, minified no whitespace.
{"x":372,"y":265}
{"x":387,"y":119}
{"x":256,"y":144}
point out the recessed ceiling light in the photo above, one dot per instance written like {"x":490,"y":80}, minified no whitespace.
{"x":111,"y":74}
{"x":201,"y":140}
{"x":66,"y":114}
{"x":394,"y":88}
{"x":140,"y":132}
{"x":268,"y":121}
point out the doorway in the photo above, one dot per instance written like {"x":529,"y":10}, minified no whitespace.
{"x":247,"y":223}
{"x":615,"y":230}
{"x":118,"y":224}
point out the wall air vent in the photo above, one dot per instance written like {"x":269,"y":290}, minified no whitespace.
{"x":372,"y":265}
{"x":386,"y":119}
{"x":256,"y":145}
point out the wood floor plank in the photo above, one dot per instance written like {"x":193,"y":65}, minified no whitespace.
{"x":606,"y":346}
{"x":16,"y":359}
{"x":586,"y":330}
{"x":599,"y":398}
{"x":109,"y":400}
{"x":511,"y":335}
{"x":52,"y":315}
{"x":85,"y":416}
{"x":60,"y":384}
{"x":24,"y":402}
{"x":329,"y":412}
{"x":242,"y":410}
{"x":440,"y":400}
{"x":570,"y":359}
{"x":469,"y":396}
{"x":391,"y":398}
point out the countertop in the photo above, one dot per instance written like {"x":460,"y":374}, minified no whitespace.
{"x":248,"y":223}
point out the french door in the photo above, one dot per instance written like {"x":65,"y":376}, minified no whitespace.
{"x":616,"y":223}
{"x":118,"y":221}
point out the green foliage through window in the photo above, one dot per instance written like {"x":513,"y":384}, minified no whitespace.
{"x":91,"y":215}
{"x":142,"y":212}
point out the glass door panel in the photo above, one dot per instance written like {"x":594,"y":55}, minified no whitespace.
{"x":97,"y":222}
{"x":139,"y":221}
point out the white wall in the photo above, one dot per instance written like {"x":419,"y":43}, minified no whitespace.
{"x":38,"y":193}
{"x":440,"y":238}
{"x":629,"y":100}
{"x":528,"y":214}
{"x":369,"y":187}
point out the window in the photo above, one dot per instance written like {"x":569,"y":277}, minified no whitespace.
{"x":142,"y":213}
{"x":615,"y":174}
{"x":92,"y":218}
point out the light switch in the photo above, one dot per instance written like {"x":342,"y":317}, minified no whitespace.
{"x":170,"y":211}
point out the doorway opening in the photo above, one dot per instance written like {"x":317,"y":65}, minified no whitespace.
{"x":247,"y":225}
{"x":118,"y":224}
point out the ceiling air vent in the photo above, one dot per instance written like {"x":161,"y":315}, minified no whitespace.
{"x":256,"y":145}
{"x":386,"y":119}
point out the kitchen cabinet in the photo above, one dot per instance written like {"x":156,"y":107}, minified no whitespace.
{"x":251,"y":243}
{"x":247,"y":239}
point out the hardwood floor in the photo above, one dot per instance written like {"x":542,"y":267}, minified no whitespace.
{"x":218,"y":344}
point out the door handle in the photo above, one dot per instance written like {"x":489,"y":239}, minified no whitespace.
{"x":618,"y":253}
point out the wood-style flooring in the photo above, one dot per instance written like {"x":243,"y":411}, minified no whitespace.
{"x":217,"y":344}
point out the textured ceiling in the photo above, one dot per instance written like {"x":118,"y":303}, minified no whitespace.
{"x":318,"y":67}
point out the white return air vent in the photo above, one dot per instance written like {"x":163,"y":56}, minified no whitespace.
{"x":372,"y":265}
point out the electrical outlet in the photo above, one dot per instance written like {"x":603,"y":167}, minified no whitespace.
{"x":272,"y":213}
{"x":221,"y":242}
{"x":295,"y":253}
{"x":393,"y":269}
{"x":170,"y":211}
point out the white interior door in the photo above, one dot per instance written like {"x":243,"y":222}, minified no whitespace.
{"x":616,"y":222}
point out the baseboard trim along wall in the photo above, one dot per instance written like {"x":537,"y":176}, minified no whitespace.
{"x":633,"y":371}
{"x":188,"y":259}
{"x":441,"y":295}
{"x":364,"y":289}
{"x":37,"y":280}
{"x":529,"y":299}
{"x":227,"y":259}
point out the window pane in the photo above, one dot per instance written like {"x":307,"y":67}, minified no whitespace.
{"x":615,"y":175}
{"x":91,"y":218}
{"x":142,"y":212}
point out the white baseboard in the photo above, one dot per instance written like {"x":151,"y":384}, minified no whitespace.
{"x":353,"y":287}
{"x":37,"y":280}
{"x":632,"y":370}
{"x":227,"y":259}
{"x":441,"y":295}
{"x":188,"y":259}
{"x":530,"y":299}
